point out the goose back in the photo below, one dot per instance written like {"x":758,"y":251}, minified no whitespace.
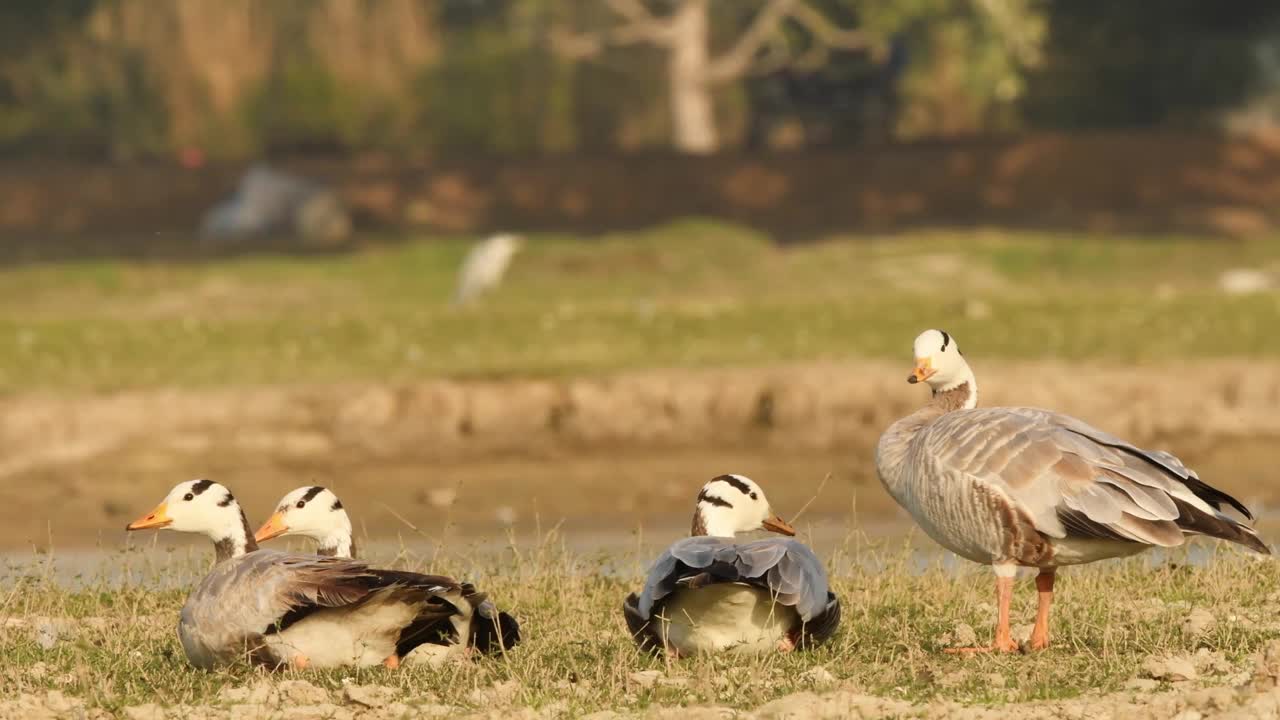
{"x":783,"y":571}
{"x":1040,"y":488}
{"x":266,"y":606}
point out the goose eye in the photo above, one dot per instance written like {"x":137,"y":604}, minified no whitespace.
{"x":754,"y":496}
{"x":188,"y":496}
{"x":301,"y":504}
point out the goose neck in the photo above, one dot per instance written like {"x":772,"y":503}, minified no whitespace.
{"x":235,"y":539}
{"x":713,"y":524}
{"x":338,"y":544}
{"x":961,"y":396}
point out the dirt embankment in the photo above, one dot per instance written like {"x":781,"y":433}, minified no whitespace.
{"x":801,"y":407}
{"x":605,"y":452}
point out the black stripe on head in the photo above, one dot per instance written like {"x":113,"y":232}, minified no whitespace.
{"x":337,"y":505}
{"x":200,"y":486}
{"x":311,"y":493}
{"x":226,"y":500}
{"x":735,"y":482}
{"x":713,"y":500}
{"x":946,"y":340}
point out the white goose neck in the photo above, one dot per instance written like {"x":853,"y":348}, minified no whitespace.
{"x":715,"y":524}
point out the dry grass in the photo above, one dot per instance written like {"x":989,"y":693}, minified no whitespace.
{"x":120,"y":649}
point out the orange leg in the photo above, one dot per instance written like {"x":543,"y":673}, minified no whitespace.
{"x":301,"y":662}
{"x":392,"y":662}
{"x":789,"y":642}
{"x":1044,"y":590}
{"x":1004,"y":638}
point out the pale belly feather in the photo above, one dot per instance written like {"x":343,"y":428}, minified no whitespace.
{"x":1077,"y":551}
{"x":365,"y":635}
{"x":725,"y":617}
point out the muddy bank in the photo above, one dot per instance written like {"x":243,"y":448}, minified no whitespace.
{"x":489,"y":454}
{"x":801,"y":407}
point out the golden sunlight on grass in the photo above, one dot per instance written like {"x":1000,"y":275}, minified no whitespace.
{"x":1121,"y":628}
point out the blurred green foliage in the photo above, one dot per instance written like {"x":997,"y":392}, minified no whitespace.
{"x":127,"y":78}
{"x":1122,"y":64}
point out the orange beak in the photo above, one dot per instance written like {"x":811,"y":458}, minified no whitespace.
{"x":274,"y":527}
{"x":924,"y":370}
{"x":778,"y":525}
{"x":157,"y":518}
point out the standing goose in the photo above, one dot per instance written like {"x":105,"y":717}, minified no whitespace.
{"x":317,"y":513}
{"x":1017,"y":486}
{"x":707,"y":593}
{"x":277,"y":609}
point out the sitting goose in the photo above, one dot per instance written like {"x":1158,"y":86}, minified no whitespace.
{"x":276,"y":609}
{"x":707,"y":593}
{"x":1018,"y":486}
{"x":316,"y":512}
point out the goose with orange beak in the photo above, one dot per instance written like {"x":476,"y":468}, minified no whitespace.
{"x":709,"y":593}
{"x":1017,"y":487}
{"x":279,"y":609}
{"x":315,"y":512}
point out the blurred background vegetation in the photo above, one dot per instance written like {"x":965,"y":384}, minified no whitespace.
{"x":232,"y":79}
{"x":736,"y":213}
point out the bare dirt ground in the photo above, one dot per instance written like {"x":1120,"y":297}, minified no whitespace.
{"x":1255,"y":698}
{"x":607,"y":452}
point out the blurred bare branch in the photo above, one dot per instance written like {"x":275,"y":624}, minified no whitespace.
{"x":684,"y":33}
{"x":826,"y":35}
{"x":633,"y":10}
{"x":827,"y":32}
{"x":737,"y":61}
{"x":640,"y":26}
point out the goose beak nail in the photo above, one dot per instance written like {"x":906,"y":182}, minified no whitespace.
{"x":778,"y":525}
{"x":157,"y":518}
{"x":274,"y":527}
{"x":924,"y":370}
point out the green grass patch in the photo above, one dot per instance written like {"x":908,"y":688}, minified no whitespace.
{"x":690,"y":294}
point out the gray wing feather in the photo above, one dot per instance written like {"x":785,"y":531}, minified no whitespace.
{"x":242,"y":600}
{"x":642,"y":631}
{"x":1072,"y":478}
{"x":785,"y":566}
{"x":824,"y":626}
{"x":1172,"y":469}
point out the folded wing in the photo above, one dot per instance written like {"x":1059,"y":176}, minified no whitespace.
{"x":1074,"y":480}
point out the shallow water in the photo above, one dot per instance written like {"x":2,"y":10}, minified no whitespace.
{"x":586,"y":493}
{"x":174,"y":561}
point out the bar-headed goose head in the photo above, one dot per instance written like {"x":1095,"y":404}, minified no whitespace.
{"x":315,"y":512}
{"x":204,"y":507}
{"x":732,"y":504}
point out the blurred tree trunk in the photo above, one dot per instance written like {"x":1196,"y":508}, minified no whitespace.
{"x":693,"y":71}
{"x":693,"y":120}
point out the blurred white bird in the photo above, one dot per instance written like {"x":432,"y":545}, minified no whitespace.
{"x":485,"y":265}
{"x":1245,"y":281}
